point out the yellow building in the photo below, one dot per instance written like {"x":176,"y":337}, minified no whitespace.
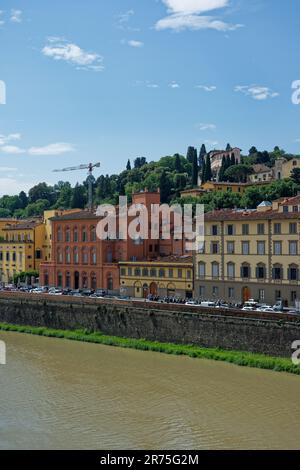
{"x":25,"y":244}
{"x":3,"y":224}
{"x":283,"y":168}
{"x":251,"y":254}
{"x":165,"y":277}
{"x":213,"y":187}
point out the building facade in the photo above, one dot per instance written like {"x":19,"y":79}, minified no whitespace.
{"x":251,"y":254}
{"x":165,"y":277}
{"x":216,"y":159}
{"x":81,"y":260}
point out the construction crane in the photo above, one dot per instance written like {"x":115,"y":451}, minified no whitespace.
{"x":90,"y":179}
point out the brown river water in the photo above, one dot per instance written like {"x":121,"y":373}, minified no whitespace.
{"x":58,"y":394}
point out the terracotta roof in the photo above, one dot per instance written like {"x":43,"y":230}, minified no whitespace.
{"x":291,"y":201}
{"x":82,"y":215}
{"x":25,"y":225}
{"x":230,"y":214}
{"x":260,"y":168}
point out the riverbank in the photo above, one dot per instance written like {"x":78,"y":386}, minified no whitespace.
{"x":234,"y":357}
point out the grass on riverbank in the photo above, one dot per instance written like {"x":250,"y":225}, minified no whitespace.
{"x":234,"y":357}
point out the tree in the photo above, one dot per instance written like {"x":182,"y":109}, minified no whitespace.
{"x":238,"y":173}
{"x":228,"y":148}
{"x":42,"y":191}
{"x":295,"y":175}
{"x":222,"y":170}
{"x":165,"y":187}
{"x":65,"y":192}
{"x":202,"y":155}
{"x":140,"y":162}
{"x":190,"y":154}
{"x":178,"y":166}
{"x":79,"y":197}
{"x":208,"y":172}
{"x":195,"y":169}
{"x":23,"y":200}
{"x":128,"y":166}
{"x":252,"y":151}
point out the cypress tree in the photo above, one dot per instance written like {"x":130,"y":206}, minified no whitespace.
{"x":128,"y":166}
{"x":208,"y":172}
{"x":195,"y":169}
{"x":190,"y":154}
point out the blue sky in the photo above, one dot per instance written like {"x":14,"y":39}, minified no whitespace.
{"x":100,"y":80}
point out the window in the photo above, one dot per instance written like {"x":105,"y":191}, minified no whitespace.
{"x":230,"y":230}
{"x":93,"y":234}
{"x":293,"y":273}
{"x":201,"y":269}
{"x":84,"y":235}
{"x":129,"y":271}
{"x":278,"y":295}
{"x":59,"y":235}
{"x":1,"y":256}
{"x":75,"y":235}
{"x":59,"y":280}
{"x":76,"y":256}
{"x":67,"y":236}
{"x":145,"y":272}
{"x":293,"y":248}
{"x":231,"y":270}
{"x":245,"y":271}
{"x":261,"y":248}
{"x":261,"y":294}
{"x":277,"y":229}
{"x":245,"y":229}
{"x":94,"y":256}
{"x":180,"y":273}
{"x":123,"y":272}
{"x":277,"y":248}
{"x":261,"y":272}
{"x":215,"y":269}
{"x":68,"y":256}
{"x":189,"y":274}
{"x":285,"y":209}
{"x":137,"y":272}
{"x":277,"y":273}
{"x":215,"y":291}
{"x":171,"y":273}
{"x":295,"y":208}
{"x":245,"y":248}
{"x":215,"y":248}
{"x":293,"y":228}
{"x":85,"y":257}
{"x":59,"y":256}
{"x":231,"y":293}
{"x":293,"y":296}
{"x":261,"y":229}
{"x":161,"y":273}
{"x":230,"y":248}
{"x":153,"y":272}
{"x":214,"y":230}
{"x":38,"y":254}
{"x":14,"y":257}
{"x":201,"y":291}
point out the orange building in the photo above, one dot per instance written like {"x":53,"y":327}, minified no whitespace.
{"x":80,"y":260}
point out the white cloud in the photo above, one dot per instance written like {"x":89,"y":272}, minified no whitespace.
{"x":174,"y":85}
{"x":12,"y":150}
{"x":212,"y":143}
{"x":259,"y":93}
{"x":123,"y":19}
{"x":52,"y":149}
{"x":188,"y":14}
{"x":208,"y":88}
{"x":134,"y":43}
{"x":16,"y":16}
{"x":206,"y":127}
{"x":4,"y":139}
{"x":7,"y":169}
{"x":60,"y":49}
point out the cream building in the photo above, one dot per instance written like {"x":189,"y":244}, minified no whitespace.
{"x":251,"y":254}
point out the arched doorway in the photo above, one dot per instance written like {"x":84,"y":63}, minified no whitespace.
{"x":138,"y":290}
{"x":246,"y":295}
{"x":153,"y":288}
{"x":145,"y":291}
{"x":85,"y":282}
{"x":171,"y":290}
{"x":76,"y":280}
{"x":110,"y":282}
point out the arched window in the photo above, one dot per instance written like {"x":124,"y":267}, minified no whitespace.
{"x":59,"y":280}
{"x":85,"y":281}
{"x":59,"y":235}
{"x":76,"y":256}
{"x":261,"y":271}
{"x":68,"y":280}
{"x":85,"y":256}
{"x":293,"y":272}
{"x":93,"y":256}
{"x":93,"y":236}
{"x":277,"y":272}
{"x":145,"y":272}
{"x":109,"y":256}
{"x":162,"y":273}
{"x":84,"y":235}
{"x":245,"y":271}
{"x":201,"y":269}
{"x":67,"y":235}
{"x":153,"y":272}
{"x":93,"y":281}
{"x":75,"y":235}
{"x":215,"y":270}
{"x":110,"y":282}
{"x":137,"y":272}
{"x":59,"y":256}
{"x":68,"y":255}
{"x":231,"y":270}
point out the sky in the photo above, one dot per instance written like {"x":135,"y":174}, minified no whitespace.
{"x":97,"y":80}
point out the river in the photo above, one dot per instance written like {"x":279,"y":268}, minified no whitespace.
{"x":58,"y":394}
